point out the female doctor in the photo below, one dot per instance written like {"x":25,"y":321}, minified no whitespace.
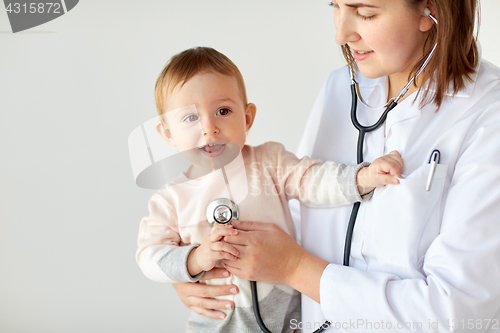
{"x":420,"y":260}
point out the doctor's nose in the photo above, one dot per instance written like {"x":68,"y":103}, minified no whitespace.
{"x":345,"y":29}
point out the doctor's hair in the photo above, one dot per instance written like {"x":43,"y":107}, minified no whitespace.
{"x":456,"y":56}
{"x":183,"y":66}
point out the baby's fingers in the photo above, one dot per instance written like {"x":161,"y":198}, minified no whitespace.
{"x":397,"y":164}
{"x":395,"y":169}
{"x":387,"y":179}
{"x":391,"y":163}
{"x":395,"y":154}
{"x":219,"y":231}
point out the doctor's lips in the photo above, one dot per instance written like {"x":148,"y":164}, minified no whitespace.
{"x":360,"y":55}
{"x":214,"y":149}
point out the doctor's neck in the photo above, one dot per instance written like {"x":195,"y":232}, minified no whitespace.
{"x":397,"y":82}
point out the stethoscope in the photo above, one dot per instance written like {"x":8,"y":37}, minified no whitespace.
{"x":362,"y":130}
{"x":224,"y":210}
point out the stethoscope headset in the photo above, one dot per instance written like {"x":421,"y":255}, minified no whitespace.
{"x":224,"y":210}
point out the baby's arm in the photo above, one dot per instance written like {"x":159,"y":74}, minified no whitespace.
{"x":327,"y":184}
{"x":381,"y":172}
{"x":212,"y":249}
{"x":160,"y":254}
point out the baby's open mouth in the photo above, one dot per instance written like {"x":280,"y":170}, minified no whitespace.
{"x":213,"y":149}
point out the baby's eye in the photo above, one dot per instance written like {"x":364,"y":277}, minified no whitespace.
{"x":223,"y":112}
{"x":331,"y":4}
{"x":190,"y":118}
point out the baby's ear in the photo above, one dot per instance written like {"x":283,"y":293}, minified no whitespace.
{"x":164,"y":132}
{"x":250,"y":112}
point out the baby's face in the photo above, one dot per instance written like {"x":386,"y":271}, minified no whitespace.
{"x":207,"y":117}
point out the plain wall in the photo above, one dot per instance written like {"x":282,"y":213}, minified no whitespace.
{"x":73,"y":89}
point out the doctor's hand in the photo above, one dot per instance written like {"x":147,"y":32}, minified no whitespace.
{"x":381,"y":172}
{"x":212,"y":249}
{"x":198,"y":296}
{"x":269,"y":254}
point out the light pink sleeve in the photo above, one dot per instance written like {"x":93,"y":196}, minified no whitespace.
{"x":313,"y":182}
{"x":158,"y":235}
{"x":160,"y":227}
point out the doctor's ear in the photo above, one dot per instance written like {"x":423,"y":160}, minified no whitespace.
{"x":164,"y":132}
{"x":250,"y":112}
{"x":427,"y":19}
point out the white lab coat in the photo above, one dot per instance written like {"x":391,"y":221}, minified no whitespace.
{"x":417,"y":257}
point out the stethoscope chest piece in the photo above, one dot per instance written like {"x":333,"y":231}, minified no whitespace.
{"x":222,"y":211}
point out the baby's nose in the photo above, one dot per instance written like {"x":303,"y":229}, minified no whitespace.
{"x":210,"y":128}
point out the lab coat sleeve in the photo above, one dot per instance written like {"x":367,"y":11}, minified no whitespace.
{"x":313,"y":182}
{"x":461,"y":287}
{"x":159,"y":254}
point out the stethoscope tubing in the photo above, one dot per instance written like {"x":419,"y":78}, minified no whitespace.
{"x":255,"y":305}
{"x":362,"y":130}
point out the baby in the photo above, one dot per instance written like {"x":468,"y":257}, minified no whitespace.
{"x":203,"y":110}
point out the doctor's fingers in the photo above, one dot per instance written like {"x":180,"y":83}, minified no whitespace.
{"x":226,"y":248}
{"x":253,"y":226}
{"x":243,"y":238}
{"x":210,"y":313}
{"x":193,"y":290}
{"x":255,"y":234}
{"x":215,"y":273}
{"x":236,"y":268}
{"x":271,"y":265}
{"x":197,"y":296}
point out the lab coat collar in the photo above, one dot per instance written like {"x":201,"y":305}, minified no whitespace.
{"x":466,"y":91}
{"x":376,"y":91}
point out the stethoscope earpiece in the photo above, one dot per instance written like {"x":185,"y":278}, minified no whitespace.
{"x":222,"y":211}
{"x":427,"y":12}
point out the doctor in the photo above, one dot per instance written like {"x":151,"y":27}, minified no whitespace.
{"x":420,"y":260}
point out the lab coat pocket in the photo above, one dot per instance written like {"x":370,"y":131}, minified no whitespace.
{"x":405,"y":218}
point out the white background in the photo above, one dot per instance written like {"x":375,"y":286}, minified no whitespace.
{"x":73,"y":89}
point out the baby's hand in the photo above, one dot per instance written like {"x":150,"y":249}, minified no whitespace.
{"x":381,"y":172}
{"x":212,"y":249}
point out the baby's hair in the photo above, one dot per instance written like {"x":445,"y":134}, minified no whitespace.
{"x":183,"y":66}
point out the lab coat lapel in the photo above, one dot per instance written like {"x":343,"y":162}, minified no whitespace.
{"x":410,"y":106}
{"x":406,"y":109}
